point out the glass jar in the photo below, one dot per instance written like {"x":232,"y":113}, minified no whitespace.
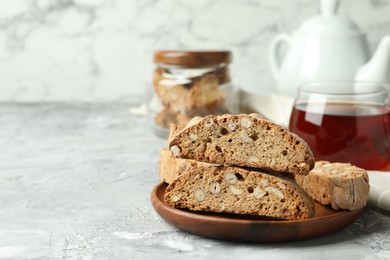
{"x":188,"y":84}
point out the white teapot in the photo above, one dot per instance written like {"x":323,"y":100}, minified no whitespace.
{"x":326,"y":47}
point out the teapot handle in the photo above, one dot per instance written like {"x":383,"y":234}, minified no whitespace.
{"x":276,"y":52}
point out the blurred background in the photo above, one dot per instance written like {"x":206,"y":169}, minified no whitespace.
{"x":101,"y":50}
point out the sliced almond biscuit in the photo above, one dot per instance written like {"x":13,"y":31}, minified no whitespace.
{"x":240,"y":191}
{"x":171,"y":167}
{"x":340,"y":185}
{"x":241,"y":140}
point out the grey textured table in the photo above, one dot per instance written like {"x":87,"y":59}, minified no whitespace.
{"x":75,"y":182}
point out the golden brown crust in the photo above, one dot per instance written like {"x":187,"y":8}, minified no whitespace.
{"x":171,"y":167}
{"x":242,"y":140}
{"x":340,"y":185}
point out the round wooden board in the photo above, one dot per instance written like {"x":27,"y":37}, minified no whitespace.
{"x":252,"y":228}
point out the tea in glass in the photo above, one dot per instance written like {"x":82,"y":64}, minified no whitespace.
{"x":345,"y":125}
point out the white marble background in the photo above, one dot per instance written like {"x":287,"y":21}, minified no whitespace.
{"x":100,"y":50}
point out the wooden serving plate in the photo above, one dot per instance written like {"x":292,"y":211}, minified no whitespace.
{"x":252,"y":228}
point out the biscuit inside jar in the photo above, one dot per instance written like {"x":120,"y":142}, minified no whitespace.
{"x":188,"y":84}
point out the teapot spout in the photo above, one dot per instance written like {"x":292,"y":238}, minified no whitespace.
{"x":378,"y":67}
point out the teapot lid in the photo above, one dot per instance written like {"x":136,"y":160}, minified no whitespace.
{"x":329,"y":21}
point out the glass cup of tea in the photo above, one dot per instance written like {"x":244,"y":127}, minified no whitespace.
{"x":345,"y":122}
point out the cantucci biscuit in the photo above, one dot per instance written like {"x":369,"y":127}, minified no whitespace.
{"x":340,"y":185}
{"x":227,"y":189}
{"x":241,"y":140}
{"x":171,"y":167}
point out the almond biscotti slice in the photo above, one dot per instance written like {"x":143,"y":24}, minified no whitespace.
{"x":340,"y":185}
{"x":241,"y":140}
{"x":236,"y":190}
{"x":171,"y":167}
